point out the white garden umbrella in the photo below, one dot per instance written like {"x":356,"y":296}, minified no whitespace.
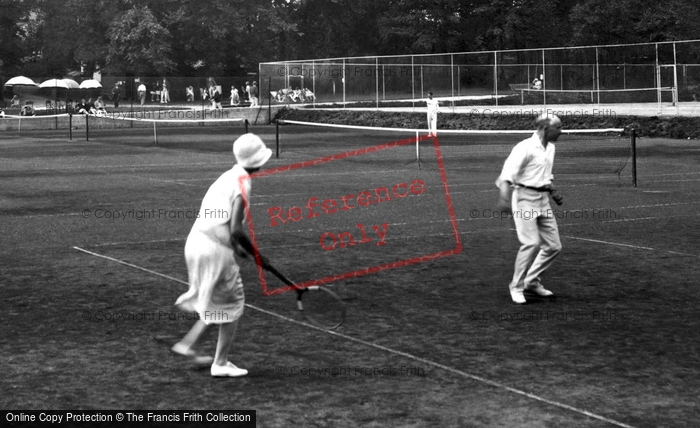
{"x":72,"y":84}
{"x":90,"y":84}
{"x":20,"y":81}
{"x":54,"y":84}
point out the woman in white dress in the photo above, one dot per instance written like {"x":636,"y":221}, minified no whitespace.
{"x":216,"y":290}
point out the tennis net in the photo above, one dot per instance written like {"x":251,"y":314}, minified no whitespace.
{"x":597,"y":96}
{"x":198,"y":134}
{"x":590,"y":151}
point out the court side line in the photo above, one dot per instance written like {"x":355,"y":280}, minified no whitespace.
{"x":387,"y":349}
{"x":462,"y":232}
{"x":637,"y":247}
{"x":144,"y":165}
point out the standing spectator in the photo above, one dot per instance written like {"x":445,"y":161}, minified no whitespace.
{"x":235,"y":98}
{"x":190,"y":94}
{"x":116,"y":94}
{"x":165,"y":92}
{"x":254,"y":95}
{"x":211,"y":91}
{"x":243,"y":94}
{"x":142,"y":93}
{"x":215,"y":96}
{"x":247,"y":92}
{"x":155,"y":93}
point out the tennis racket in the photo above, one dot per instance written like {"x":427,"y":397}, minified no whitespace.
{"x":317,"y":304}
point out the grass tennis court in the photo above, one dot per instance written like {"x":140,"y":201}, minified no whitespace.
{"x":430,"y":344}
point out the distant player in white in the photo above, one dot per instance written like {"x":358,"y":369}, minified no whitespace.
{"x":525,"y":185}
{"x":216,"y":289}
{"x":433,"y":109}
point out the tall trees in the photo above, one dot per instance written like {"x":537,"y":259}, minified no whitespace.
{"x":633,"y":21}
{"x":139,"y":43}
{"x":10,"y":37}
{"x":204,"y":37}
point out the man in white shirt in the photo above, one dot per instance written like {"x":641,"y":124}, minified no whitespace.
{"x":142,"y":93}
{"x":525,"y":185}
{"x":433,"y":109}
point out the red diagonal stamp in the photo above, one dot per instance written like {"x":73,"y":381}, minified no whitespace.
{"x":353,"y":213}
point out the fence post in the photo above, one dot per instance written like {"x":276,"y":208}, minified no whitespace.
{"x":633,"y":148}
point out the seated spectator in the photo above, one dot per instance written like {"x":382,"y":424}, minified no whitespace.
{"x":14,"y":102}
{"x":99,"y":108}
{"x":27,"y":109}
{"x":537,"y":83}
{"x":2,"y":113}
{"x":90,"y":106}
{"x":235,"y":98}
{"x":82,"y":107}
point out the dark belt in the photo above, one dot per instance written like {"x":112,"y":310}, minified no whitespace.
{"x":537,"y":189}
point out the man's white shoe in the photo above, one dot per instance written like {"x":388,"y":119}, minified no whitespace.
{"x":229,"y":370}
{"x":540,"y":291}
{"x":517,"y":296}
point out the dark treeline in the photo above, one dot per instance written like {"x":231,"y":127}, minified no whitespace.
{"x":217,"y":37}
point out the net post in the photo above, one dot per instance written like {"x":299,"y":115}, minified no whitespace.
{"x":417,"y":147}
{"x":155,"y":135}
{"x":245,"y":123}
{"x":633,"y":149}
{"x":70,"y":126}
{"x":277,"y":139}
{"x":87,"y":127}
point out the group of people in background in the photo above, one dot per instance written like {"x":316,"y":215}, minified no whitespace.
{"x":212,"y":92}
{"x":160,"y":92}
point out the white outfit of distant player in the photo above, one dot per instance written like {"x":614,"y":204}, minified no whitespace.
{"x":433,"y":109}
{"x":216,"y":289}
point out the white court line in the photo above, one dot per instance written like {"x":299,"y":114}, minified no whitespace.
{"x":461,"y":232}
{"x":155,"y":241}
{"x":637,"y":247}
{"x":163,"y":180}
{"x":387,"y":349}
{"x":133,"y":166}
